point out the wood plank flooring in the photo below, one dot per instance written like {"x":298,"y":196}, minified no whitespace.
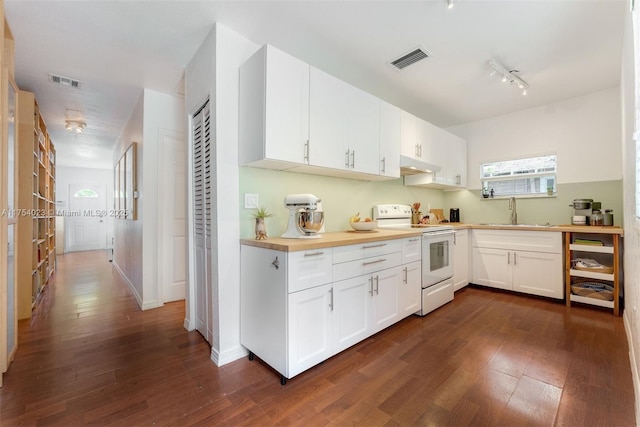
{"x":89,"y":356}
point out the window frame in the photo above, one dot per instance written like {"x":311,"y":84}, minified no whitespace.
{"x":485,"y":181}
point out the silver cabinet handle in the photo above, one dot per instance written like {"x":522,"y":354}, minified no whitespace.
{"x":417,"y":150}
{"x":331,"y":299}
{"x":405,"y":280}
{"x":458,"y":179}
{"x":374,"y":262}
{"x":374,"y":246}
{"x":346,"y":159}
{"x":313,"y":254}
{"x":415,"y":239}
{"x":306,"y":151}
{"x":371,"y":286}
{"x":515,"y":259}
{"x":276,"y":263}
{"x":353,"y":159}
{"x":384,"y":165}
{"x":508,"y":257}
{"x":454,"y":239}
{"x":377,"y":284}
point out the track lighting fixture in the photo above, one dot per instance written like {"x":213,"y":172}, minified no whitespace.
{"x":450,"y":4}
{"x":509,"y":76}
{"x":75,"y":125}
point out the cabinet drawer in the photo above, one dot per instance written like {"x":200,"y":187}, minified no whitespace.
{"x":362,"y":266}
{"x":535,"y":241}
{"x":365,"y":250}
{"x":411,"y":249}
{"x":308,"y":269}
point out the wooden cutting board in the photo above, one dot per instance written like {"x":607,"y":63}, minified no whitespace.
{"x":439,"y":214}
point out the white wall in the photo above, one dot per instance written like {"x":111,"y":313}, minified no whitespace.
{"x":127,"y":248}
{"x":581,"y":131}
{"x":136,"y":241}
{"x":214,"y":72}
{"x":632,"y":228}
{"x":66,"y":175}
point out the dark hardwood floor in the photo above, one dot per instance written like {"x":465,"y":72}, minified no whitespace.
{"x":89,"y":356}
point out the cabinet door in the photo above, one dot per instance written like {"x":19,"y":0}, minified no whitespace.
{"x":492,"y":267}
{"x":430,"y":142}
{"x":310,"y":328}
{"x":328,"y":121}
{"x":273,"y":109}
{"x":385,"y":308}
{"x":460,"y":173}
{"x":351,"y":311}
{"x":364,"y":131}
{"x":390,"y":137}
{"x":538,"y":273}
{"x":461,"y":259}
{"x":408,"y":137}
{"x":287,"y":107}
{"x":410,"y":289}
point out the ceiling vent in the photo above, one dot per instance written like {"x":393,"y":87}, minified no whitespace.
{"x":64,"y":81}
{"x":409,"y":58}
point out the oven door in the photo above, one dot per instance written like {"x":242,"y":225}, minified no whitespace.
{"x":437,"y":260}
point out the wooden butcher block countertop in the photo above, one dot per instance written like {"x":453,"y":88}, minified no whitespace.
{"x":328,"y":240}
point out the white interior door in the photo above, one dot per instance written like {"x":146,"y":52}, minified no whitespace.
{"x":86,"y":224}
{"x":172,"y":224}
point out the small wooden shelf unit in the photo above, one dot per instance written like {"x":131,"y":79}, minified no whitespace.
{"x":608,"y":254}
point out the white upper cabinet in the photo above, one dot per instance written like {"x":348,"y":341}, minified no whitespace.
{"x":390,"y":133}
{"x":344,"y":125}
{"x":447,"y":151}
{"x":328,"y":121}
{"x":408,"y":135}
{"x":273,"y":110}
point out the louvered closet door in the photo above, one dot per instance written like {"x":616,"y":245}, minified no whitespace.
{"x":202,"y":217}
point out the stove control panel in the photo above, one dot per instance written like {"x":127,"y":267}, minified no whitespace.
{"x":391,"y":211}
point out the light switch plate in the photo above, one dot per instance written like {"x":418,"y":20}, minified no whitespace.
{"x":250,"y":201}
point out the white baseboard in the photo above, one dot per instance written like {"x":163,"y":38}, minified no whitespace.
{"x":632,"y":360}
{"x":128,"y":282}
{"x":187,"y":325}
{"x":228,"y":356}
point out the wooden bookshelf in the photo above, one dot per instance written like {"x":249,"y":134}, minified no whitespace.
{"x":36,"y":260}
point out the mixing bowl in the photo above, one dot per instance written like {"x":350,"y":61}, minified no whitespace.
{"x":310,"y":222}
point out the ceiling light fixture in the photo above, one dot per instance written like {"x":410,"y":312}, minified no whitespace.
{"x":74,"y":125}
{"x":449,"y":4}
{"x":509,"y":76}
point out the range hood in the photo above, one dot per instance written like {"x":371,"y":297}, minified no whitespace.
{"x":411,"y":166}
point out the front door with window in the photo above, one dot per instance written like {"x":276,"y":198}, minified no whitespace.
{"x":86,"y":219}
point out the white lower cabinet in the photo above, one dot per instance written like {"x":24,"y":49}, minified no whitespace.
{"x":351,"y":311}
{"x":409,"y":295}
{"x":299,"y":308}
{"x":497,"y":264}
{"x":461,"y":265}
{"x":310,"y":335}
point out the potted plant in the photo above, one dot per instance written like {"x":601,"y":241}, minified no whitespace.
{"x":260,"y":214}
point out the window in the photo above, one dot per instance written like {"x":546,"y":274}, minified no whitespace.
{"x":85,"y":193}
{"x":531,"y":176}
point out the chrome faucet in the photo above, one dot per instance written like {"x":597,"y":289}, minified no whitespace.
{"x":512,"y":208}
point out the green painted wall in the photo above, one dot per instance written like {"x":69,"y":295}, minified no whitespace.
{"x":342,"y":198}
{"x":539,"y":210}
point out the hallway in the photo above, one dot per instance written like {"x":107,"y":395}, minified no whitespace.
{"x":91,"y":357}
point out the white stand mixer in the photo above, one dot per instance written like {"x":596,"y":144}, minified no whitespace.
{"x":305,"y":216}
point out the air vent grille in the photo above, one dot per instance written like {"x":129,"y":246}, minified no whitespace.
{"x":65,"y":81}
{"x":410,"y":58}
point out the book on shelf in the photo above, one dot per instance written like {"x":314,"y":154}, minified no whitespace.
{"x":588,"y":242}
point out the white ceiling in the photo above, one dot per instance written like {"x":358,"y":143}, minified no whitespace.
{"x":563,"y":48}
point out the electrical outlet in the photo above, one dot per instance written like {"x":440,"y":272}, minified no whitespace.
{"x":250,"y":201}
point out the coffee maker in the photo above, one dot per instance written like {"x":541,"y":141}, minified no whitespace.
{"x":582,"y":210}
